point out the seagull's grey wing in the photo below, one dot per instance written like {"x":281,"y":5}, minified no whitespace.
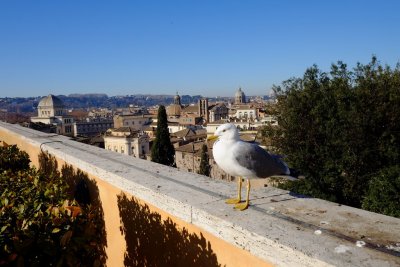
{"x":258,"y":160}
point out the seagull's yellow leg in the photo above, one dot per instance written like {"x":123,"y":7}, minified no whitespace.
{"x":239,"y":197}
{"x":244,"y":205}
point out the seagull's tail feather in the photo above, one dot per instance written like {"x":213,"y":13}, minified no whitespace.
{"x":287,"y":169}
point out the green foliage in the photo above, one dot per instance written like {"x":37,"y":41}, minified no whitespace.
{"x":204,"y":162}
{"x":383,"y":194}
{"x":339,"y":129}
{"x":162,"y":151}
{"x":41,"y":225}
{"x":13,"y":159}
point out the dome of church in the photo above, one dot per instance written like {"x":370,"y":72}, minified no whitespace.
{"x":174,"y":110}
{"x":51,"y":101}
{"x":239,"y":93}
{"x":240,"y":97}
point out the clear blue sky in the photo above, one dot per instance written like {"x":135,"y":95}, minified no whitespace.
{"x":193,"y":47}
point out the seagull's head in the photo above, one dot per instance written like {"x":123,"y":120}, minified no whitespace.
{"x":227,"y":131}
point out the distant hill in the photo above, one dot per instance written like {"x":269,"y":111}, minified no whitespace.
{"x":88,"y":95}
{"x":29,"y":104}
{"x":84,"y":101}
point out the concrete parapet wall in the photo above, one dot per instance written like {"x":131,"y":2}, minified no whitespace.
{"x":146,"y":204}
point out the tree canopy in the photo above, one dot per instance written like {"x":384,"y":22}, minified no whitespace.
{"x":162,"y":151}
{"x":341,"y":130}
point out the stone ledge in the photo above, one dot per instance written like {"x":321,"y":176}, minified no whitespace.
{"x":278,"y":227}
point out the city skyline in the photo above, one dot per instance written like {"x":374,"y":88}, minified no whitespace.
{"x":208,"y":48}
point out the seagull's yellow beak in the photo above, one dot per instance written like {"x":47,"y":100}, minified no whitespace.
{"x":212,"y":137}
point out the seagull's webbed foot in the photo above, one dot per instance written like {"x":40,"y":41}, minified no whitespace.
{"x":239,"y":196}
{"x":232,"y":201}
{"x":242,"y":206}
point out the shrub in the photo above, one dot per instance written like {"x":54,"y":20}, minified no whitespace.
{"x":41,"y":224}
{"x":383,"y":193}
{"x":12,"y":159}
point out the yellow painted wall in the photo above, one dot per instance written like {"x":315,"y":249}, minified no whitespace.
{"x":139,"y":234}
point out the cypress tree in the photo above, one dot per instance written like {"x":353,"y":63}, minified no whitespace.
{"x":204,"y":163}
{"x":162,"y":150}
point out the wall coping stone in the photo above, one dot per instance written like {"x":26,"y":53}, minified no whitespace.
{"x":279,"y":227}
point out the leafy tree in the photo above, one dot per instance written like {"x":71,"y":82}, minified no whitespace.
{"x":162,"y":151}
{"x":383,"y":194}
{"x":204,"y":162}
{"x":339,"y":129}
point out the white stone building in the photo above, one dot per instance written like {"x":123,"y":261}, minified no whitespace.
{"x":128,"y":141}
{"x":51,"y":111}
{"x":245,"y":112}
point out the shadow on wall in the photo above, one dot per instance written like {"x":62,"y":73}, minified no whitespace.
{"x":90,"y":235}
{"x":86,"y":193}
{"x":152,"y":241}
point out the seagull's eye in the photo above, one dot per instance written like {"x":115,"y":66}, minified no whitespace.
{"x":224,"y":130}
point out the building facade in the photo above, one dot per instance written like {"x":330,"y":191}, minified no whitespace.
{"x":128,"y":141}
{"x":188,"y":158}
{"x":218,"y":112}
{"x":136,"y":122}
{"x":51,"y":111}
{"x":92,"y":127}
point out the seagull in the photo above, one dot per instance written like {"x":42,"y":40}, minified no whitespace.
{"x":243,"y":159}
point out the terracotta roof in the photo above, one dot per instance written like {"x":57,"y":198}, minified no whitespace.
{"x":201,"y":131}
{"x":191,"y":147}
{"x":123,"y":129}
{"x":191,"y":109}
{"x":183,"y":133}
{"x":217,"y":106}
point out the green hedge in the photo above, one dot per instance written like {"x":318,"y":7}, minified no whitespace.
{"x":41,"y":224}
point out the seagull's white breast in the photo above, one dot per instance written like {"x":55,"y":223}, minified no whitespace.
{"x":225,"y":153}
